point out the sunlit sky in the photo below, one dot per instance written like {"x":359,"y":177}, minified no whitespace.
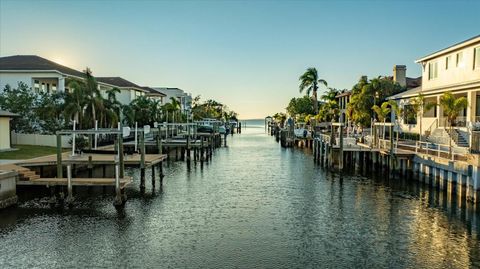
{"x":246,"y":54}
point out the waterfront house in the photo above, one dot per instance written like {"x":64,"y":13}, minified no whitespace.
{"x":184,"y":98}
{"x":399,"y":76}
{"x":154,"y":94}
{"x":36,"y":72}
{"x":129,"y":91}
{"x":455,"y":69}
{"x":5,"y":140}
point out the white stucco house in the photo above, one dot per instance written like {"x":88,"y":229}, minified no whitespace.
{"x":154,"y":95}
{"x":36,"y":72}
{"x":183,"y":97}
{"x":455,"y":69}
{"x":129,"y":91}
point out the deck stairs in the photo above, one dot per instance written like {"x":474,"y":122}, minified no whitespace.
{"x":24,"y":174}
{"x":443,"y":136}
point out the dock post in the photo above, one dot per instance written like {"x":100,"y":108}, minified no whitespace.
{"x":69,"y":186}
{"x":142,"y":161}
{"x":120,"y":152}
{"x":89,"y":167}
{"x":391,"y":160}
{"x":161,"y":174}
{"x":159,"y":142}
{"x":320,"y":151}
{"x":188,"y":144}
{"x":153,"y":177}
{"x":118,"y":192}
{"x":59,"y":156}
{"x":340,"y":156}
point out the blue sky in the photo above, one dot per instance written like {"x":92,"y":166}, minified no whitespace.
{"x":247,"y":54}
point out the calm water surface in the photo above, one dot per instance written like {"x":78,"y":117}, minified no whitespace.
{"x":255,"y":205}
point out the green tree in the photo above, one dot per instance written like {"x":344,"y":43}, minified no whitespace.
{"x":49,"y":108}
{"x":300,"y":106}
{"x":419,"y":106}
{"x":452,"y":107}
{"x":21,"y":100}
{"x":309,"y":81}
{"x":382,"y":113}
{"x":367,"y":93}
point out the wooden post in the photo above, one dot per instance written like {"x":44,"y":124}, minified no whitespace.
{"x":59,"y":157}
{"x":340,"y":157}
{"x":120,"y":154}
{"x":89,"y":167}
{"x":69,"y":186}
{"x":188,"y":144}
{"x":153,"y":176}
{"x":118,"y":192}
{"x":142,"y":161}
{"x":391,"y":163}
{"x":159,"y":141}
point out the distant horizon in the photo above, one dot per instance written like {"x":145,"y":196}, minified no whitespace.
{"x":247,"y":55}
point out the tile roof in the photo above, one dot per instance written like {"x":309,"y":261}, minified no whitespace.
{"x":151,"y":91}
{"x":33,"y":62}
{"x":118,"y":81}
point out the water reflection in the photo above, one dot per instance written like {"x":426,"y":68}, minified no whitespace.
{"x":254,"y":205}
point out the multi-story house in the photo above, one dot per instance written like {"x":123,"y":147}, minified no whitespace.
{"x":399,"y":76}
{"x":184,"y":98}
{"x":155,"y":95}
{"x":455,"y":69}
{"x":36,"y":72}
{"x":42,"y":75}
{"x":129,"y":91}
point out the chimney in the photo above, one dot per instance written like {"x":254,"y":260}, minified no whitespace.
{"x":400,"y":74}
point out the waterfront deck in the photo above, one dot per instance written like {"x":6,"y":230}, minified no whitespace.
{"x":96,"y":159}
{"x":76,"y":182}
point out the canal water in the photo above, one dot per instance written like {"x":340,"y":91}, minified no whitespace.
{"x":255,"y":205}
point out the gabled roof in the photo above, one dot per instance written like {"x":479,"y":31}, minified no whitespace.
{"x":35,"y":63}
{"x":118,"y":82}
{"x":470,"y":41}
{"x":151,"y":91}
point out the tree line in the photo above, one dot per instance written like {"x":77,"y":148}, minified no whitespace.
{"x":46,"y":113}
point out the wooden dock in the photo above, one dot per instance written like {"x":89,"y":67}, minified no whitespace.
{"x":75,"y":182}
{"x":95,"y":159}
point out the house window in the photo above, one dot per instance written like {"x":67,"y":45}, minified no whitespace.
{"x":459,"y":59}
{"x":43,"y":87}
{"x":432,"y":70}
{"x":36,"y":85}
{"x":476,"y":56}
{"x":448,"y":61}
{"x":54,"y":87}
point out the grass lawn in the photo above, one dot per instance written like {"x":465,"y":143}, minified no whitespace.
{"x":27,"y":152}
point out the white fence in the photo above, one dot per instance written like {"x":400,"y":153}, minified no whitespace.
{"x":39,"y":140}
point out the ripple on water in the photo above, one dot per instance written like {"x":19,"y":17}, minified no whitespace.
{"x":255,"y":205}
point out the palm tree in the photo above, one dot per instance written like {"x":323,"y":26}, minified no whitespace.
{"x":419,"y":107}
{"x":330,"y":95}
{"x":112,"y":107}
{"x":309,"y":81}
{"x":382,"y":113}
{"x":93,"y":96}
{"x":75,"y":101}
{"x":398,"y":111}
{"x":452,"y":107}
